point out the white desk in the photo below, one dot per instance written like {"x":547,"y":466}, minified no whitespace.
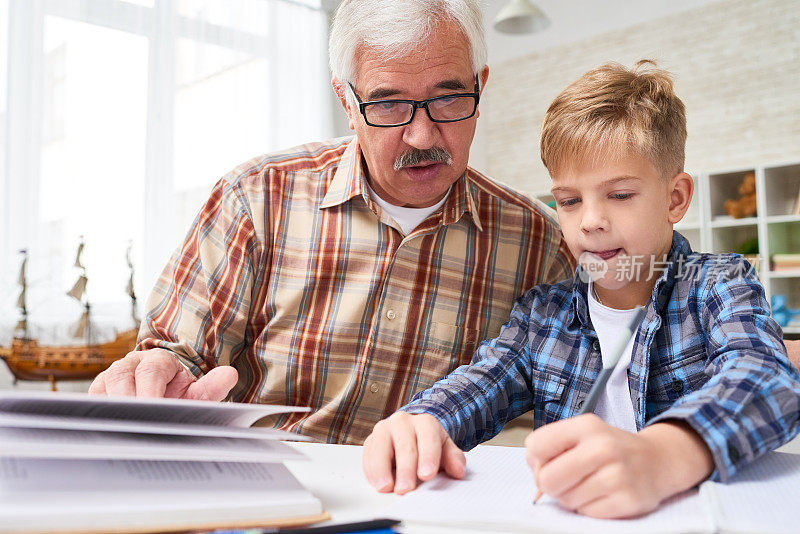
{"x":334,"y":475}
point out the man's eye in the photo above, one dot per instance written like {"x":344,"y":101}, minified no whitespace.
{"x":568,"y":202}
{"x":386,"y":106}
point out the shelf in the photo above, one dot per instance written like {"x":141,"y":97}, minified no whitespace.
{"x":782,"y":219}
{"x":694,"y":225}
{"x":782,"y":186}
{"x":784,"y":274}
{"x":728,"y":222}
{"x":791,"y":330}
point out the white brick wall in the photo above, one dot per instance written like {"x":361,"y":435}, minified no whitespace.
{"x":736,"y":66}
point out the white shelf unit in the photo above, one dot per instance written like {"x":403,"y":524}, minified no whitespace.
{"x":777,"y":228}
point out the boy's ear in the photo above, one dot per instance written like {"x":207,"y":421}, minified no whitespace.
{"x":681,"y":189}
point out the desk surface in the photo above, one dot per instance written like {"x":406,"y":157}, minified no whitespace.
{"x":334,"y":475}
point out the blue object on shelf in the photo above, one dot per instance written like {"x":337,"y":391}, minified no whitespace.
{"x":780,"y":312}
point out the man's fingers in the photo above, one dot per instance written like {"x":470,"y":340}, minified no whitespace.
{"x":453,"y":459}
{"x":156,"y":369}
{"x":118,"y":379}
{"x":98,"y":385}
{"x":377,"y":458}
{"x":214,"y":385}
{"x":430,"y":441}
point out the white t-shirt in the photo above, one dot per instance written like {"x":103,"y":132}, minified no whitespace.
{"x":615,"y":406}
{"x":407,"y":218}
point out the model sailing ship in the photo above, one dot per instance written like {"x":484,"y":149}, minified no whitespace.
{"x":27,"y":360}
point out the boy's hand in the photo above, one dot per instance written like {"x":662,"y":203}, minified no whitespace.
{"x":601,"y":471}
{"x":419,"y":447}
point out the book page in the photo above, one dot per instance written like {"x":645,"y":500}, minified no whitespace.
{"x":763,"y":497}
{"x":45,"y":495}
{"x":498,"y":491}
{"x":138,"y":408}
{"x":115,"y":425}
{"x":63,"y":444}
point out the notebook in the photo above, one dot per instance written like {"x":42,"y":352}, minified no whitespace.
{"x":498,"y":491}
{"x":71,"y":462}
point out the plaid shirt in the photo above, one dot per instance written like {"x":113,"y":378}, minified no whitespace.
{"x":294,"y":276}
{"x":707,"y":353}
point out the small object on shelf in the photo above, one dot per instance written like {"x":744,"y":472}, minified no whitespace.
{"x":745,"y":205}
{"x":785,"y":262}
{"x":748,"y":247}
{"x":782,"y":314}
{"x":796,"y":209}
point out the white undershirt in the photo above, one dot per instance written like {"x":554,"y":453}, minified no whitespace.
{"x":407,"y":218}
{"x":615,"y":406}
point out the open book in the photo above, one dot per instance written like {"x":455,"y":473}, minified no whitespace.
{"x":498,"y":490}
{"x":71,"y":462}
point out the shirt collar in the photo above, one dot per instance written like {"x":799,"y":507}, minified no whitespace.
{"x":349,"y":181}
{"x":662,"y":289}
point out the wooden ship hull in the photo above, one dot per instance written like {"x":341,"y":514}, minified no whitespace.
{"x":27,"y":360}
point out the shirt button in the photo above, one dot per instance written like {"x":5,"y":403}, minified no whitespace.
{"x":374,"y":387}
{"x":677,"y":386}
{"x":391,"y":315}
{"x":596,"y":346}
{"x":733,"y":453}
{"x":580,"y":404}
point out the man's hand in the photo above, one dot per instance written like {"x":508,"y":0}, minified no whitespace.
{"x":601,"y":471}
{"x":157,"y":373}
{"x":793,"y":350}
{"x":419,"y":447}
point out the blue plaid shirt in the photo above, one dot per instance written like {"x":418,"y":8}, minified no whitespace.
{"x":707,"y":353}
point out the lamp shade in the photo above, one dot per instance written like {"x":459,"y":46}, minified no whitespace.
{"x":520,"y":16}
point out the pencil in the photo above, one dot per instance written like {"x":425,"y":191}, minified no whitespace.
{"x":590,"y":402}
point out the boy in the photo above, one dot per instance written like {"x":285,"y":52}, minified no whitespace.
{"x":702,"y":389}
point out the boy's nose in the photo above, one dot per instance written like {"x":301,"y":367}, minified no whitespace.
{"x":593,"y":219}
{"x":421,"y":132}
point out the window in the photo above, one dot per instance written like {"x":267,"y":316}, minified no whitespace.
{"x":125,"y":113}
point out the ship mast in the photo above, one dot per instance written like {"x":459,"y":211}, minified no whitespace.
{"x":130,"y":289}
{"x":78,"y":292}
{"x":21,"y":301}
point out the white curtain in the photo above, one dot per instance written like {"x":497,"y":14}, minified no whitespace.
{"x":119,"y":116}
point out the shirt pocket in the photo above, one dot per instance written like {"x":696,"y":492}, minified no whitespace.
{"x":670,"y":382}
{"x":548,"y":397}
{"x":447,"y":347}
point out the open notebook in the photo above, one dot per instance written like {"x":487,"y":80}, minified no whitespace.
{"x":71,"y":462}
{"x":498,"y":493}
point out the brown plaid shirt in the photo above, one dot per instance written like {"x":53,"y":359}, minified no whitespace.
{"x":294,"y":276}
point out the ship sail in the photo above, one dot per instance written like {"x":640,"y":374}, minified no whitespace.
{"x":79,"y":288}
{"x":22,"y":324}
{"x":77,"y":292}
{"x":130,"y":290}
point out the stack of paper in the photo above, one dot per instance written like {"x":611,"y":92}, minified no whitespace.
{"x":74,"y":462}
{"x":498,"y":490}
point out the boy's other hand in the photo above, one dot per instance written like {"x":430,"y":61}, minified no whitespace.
{"x":417,"y":445}
{"x":602,"y":471}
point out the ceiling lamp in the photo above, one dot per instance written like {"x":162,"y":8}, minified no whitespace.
{"x":520,"y":16}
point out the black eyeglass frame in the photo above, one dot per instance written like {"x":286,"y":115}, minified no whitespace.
{"x":415,"y":104}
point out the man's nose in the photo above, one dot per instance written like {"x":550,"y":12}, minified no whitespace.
{"x":421,"y":132}
{"x":593,"y":218}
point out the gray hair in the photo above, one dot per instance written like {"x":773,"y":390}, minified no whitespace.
{"x":397,"y":27}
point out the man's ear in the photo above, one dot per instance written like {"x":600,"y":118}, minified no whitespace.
{"x":483,"y":76}
{"x":681,"y":189}
{"x":340,"y":88}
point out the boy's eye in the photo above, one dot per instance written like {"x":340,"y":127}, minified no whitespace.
{"x":621,"y":196}
{"x":568,"y":202}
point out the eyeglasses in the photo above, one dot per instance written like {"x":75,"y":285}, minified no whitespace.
{"x":446,"y":108}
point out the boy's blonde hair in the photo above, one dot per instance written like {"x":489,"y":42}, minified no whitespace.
{"x":612,"y":110}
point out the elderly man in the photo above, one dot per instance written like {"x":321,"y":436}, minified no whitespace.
{"x":346,"y":276}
